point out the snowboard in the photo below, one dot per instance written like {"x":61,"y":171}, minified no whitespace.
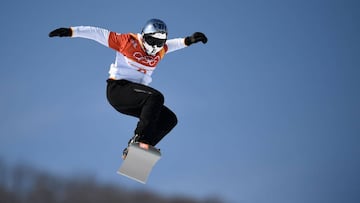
{"x":140,"y":160}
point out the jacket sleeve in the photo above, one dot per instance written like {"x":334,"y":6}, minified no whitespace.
{"x":94,"y":33}
{"x":175,"y":44}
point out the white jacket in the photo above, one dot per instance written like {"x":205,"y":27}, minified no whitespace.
{"x":131,"y":63}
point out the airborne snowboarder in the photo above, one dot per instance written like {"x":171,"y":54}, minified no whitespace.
{"x":128,"y":90}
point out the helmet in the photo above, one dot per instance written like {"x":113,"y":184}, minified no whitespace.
{"x":154,"y":36}
{"x":154,"y":26}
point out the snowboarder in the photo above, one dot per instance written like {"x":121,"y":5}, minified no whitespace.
{"x":128,"y":90}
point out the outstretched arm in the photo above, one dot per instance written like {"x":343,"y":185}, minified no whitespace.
{"x":94,"y":33}
{"x":179,"y":43}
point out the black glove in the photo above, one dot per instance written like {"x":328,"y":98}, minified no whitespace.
{"x":196,"y":37}
{"x":61,"y":32}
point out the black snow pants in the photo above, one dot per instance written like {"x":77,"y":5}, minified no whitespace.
{"x":145,"y":103}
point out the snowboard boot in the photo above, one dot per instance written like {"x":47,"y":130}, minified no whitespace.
{"x":135,"y":138}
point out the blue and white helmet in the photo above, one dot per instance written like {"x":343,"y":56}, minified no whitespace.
{"x":154,"y":36}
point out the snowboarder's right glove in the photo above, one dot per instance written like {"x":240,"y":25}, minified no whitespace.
{"x":61,"y":32}
{"x":196,"y":37}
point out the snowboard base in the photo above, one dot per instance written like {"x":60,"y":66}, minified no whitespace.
{"x":140,"y":160}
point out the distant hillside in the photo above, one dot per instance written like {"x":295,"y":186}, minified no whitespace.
{"x":23,"y":184}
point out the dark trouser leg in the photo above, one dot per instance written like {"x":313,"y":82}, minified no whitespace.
{"x":145,"y":103}
{"x":166,"y":122}
{"x":150,"y":112}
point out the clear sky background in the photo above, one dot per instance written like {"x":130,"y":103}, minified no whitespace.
{"x":268,"y":109}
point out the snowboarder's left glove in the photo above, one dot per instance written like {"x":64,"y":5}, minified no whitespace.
{"x":61,"y":32}
{"x":196,"y":37}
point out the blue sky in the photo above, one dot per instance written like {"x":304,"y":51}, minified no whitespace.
{"x":268,"y":109}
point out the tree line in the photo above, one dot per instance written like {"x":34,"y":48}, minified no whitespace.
{"x":24,"y":184}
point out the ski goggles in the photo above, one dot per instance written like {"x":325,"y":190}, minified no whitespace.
{"x":152,"y":41}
